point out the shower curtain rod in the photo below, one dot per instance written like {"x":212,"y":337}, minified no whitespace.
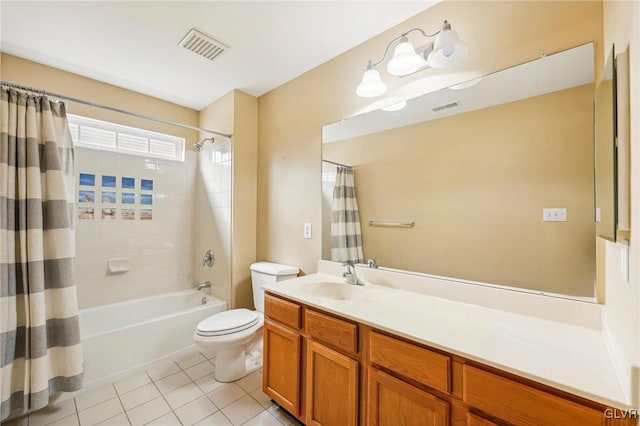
{"x":110,"y":108}
{"x":338,"y":164}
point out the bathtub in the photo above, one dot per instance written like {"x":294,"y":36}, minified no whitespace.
{"x":125,"y":336}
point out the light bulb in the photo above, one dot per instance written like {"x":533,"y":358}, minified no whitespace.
{"x":447,"y":49}
{"x":405,"y":60}
{"x":371,"y":85}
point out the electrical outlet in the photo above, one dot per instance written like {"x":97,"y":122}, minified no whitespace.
{"x":554,"y":215}
{"x":307,"y":231}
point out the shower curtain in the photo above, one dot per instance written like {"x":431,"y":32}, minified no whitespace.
{"x":346,"y":237}
{"x":40,"y":349}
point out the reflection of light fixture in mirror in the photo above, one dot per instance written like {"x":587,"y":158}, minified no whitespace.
{"x":395,"y":107}
{"x":446,"y":50}
{"x":466,"y":84}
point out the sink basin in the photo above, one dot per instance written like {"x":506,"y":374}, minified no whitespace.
{"x":335,"y":291}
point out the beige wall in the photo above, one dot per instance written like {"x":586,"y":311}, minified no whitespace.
{"x":499,"y":34}
{"x":476,"y":184}
{"x":33,"y":74}
{"x":237,"y":113}
{"x":622,"y":298}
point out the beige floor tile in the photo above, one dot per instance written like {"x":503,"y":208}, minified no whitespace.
{"x":217,"y":419}
{"x":148,"y":411}
{"x":281,"y":415}
{"x":190,"y":359}
{"x":53,"y":412}
{"x":130,"y":383}
{"x":119,"y":420}
{"x":250,"y":382}
{"x":208,"y":354}
{"x":172,"y":382}
{"x":262,"y":398}
{"x":208,"y":383}
{"x":242,"y":410}
{"x":139,"y":396}
{"x":100,"y":412}
{"x":168,"y":419}
{"x":226,"y":394}
{"x":67,"y":421}
{"x":263,"y":419}
{"x":199,"y":370}
{"x":95,"y":396}
{"x":183,"y":395}
{"x":162,"y":369}
{"x":195,"y":411}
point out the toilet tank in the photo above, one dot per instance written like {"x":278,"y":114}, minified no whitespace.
{"x":263,"y":273}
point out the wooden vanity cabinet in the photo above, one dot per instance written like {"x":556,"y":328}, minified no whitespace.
{"x":331,"y":371}
{"x":282,"y":353}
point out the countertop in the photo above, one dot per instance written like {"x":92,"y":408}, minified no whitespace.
{"x":565,"y":356}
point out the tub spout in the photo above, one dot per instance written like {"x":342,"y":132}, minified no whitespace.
{"x":206,"y":284}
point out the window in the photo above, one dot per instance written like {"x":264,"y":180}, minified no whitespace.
{"x":96,"y":134}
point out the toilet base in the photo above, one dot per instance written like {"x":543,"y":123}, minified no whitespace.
{"x":236,"y":362}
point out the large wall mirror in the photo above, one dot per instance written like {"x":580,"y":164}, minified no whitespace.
{"x":496,"y":175}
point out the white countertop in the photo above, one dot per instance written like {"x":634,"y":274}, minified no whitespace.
{"x":562,"y":355}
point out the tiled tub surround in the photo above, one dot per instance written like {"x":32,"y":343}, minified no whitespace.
{"x":553,"y":341}
{"x":213,"y":218}
{"x":161,"y":250}
{"x":127,"y":335}
{"x":180,"y":391}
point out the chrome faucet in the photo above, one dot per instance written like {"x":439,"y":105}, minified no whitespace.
{"x":206,"y":284}
{"x":372,"y":263}
{"x":350,"y":275}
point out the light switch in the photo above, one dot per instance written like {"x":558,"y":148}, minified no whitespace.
{"x":307,"y":231}
{"x":554,"y":215}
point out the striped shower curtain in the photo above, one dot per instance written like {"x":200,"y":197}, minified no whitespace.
{"x":346,"y":237}
{"x":39,"y":331}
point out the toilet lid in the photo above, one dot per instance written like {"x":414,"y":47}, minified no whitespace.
{"x":227,"y":322}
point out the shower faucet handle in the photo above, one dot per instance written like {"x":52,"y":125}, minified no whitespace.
{"x":209,"y":259}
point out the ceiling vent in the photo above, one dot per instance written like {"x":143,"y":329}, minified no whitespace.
{"x":203,"y":45}
{"x":446,"y":106}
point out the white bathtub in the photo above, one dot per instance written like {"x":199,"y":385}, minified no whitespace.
{"x":128,"y":335}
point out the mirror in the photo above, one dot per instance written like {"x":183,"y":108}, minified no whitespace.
{"x":605,"y":153}
{"x":496,"y":175}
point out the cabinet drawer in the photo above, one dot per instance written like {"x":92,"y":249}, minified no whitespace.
{"x":282,"y":311}
{"x":411,"y":361}
{"x":475,"y":420}
{"x":338,"y":333}
{"x":521,"y":404}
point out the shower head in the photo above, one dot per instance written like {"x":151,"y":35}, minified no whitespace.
{"x":198,"y":145}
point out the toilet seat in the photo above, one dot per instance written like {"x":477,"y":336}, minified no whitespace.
{"x":227,"y":322}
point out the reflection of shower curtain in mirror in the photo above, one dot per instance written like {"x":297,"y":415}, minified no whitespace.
{"x":346,"y":236}
{"x":40,"y":349}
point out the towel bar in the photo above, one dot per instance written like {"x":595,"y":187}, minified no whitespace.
{"x":392,"y":224}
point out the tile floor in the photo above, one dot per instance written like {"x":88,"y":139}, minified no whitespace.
{"x":169,"y":393}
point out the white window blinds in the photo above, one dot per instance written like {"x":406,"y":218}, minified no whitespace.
{"x":96,"y":134}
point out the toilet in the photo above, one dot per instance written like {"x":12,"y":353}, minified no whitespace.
{"x":236,"y":335}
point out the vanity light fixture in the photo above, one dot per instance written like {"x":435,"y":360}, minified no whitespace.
{"x":395,"y":107}
{"x":446,"y":50}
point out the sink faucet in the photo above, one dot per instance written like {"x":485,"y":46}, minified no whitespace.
{"x":350,"y":276}
{"x":205,"y":284}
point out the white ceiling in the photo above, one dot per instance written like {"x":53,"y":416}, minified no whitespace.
{"x":134,"y":44}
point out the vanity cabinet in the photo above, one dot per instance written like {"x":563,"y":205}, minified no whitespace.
{"x":393,"y":402}
{"x":331,"y":371}
{"x":282,"y":352}
{"x":331,"y":388}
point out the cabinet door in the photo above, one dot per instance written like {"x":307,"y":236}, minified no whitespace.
{"x":332,"y":387}
{"x":393,"y":402}
{"x":281,"y":370}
